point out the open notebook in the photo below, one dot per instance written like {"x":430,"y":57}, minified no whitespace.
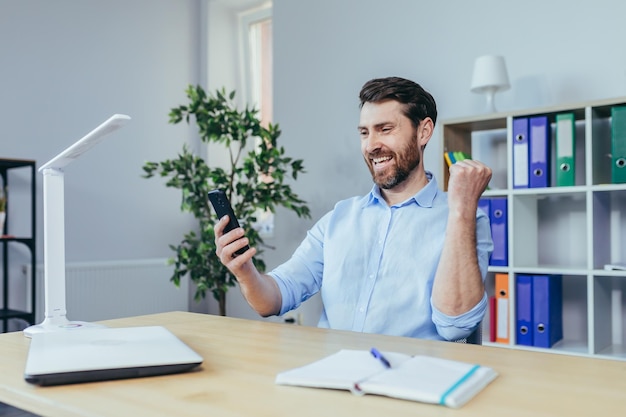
{"x":417,"y":378}
{"x":87,"y":355}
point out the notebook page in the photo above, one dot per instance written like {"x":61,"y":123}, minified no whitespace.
{"x":340,"y":370}
{"x":431,"y":380}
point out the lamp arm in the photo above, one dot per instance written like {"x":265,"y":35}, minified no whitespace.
{"x":54,"y":244}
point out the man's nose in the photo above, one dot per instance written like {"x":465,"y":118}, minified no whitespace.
{"x":373,"y":142}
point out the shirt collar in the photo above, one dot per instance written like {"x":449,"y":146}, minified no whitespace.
{"x":423,"y":198}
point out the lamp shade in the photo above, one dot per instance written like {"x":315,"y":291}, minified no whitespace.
{"x":490,"y":74}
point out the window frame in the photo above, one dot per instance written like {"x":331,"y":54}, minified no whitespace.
{"x":246,"y":19}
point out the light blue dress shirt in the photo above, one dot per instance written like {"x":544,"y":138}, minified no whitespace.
{"x":375,"y":266}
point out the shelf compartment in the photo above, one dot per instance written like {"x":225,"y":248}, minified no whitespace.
{"x":601,"y":150}
{"x":489,"y":315}
{"x":485,"y":140}
{"x":490,"y":148}
{"x":575,"y":316}
{"x":8,"y":313}
{"x":609,"y":227}
{"x":18,"y":246}
{"x":609,"y":295}
{"x":549,"y":230}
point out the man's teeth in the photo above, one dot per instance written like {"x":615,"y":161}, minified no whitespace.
{"x":381,"y":159}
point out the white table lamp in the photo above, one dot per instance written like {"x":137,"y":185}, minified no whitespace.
{"x":54,"y":230}
{"x":490,"y":76}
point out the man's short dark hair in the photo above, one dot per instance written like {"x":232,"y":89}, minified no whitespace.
{"x":418,"y":103}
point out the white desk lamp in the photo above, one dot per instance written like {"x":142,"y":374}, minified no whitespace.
{"x":54,"y":230}
{"x":490,"y":76}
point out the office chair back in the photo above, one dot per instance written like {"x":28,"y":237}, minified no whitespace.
{"x":475,"y":338}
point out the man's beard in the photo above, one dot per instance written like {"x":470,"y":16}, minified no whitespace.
{"x":405,"y":161}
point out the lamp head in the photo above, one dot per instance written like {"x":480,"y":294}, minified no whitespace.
{"x":490,"y":73}
{"x":489,"y":77}
{"x":87,"y":142}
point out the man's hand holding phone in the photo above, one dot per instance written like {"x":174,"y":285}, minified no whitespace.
{"x":229,"y":236}
{"x":232,"y":243}
{"x":260,"y":290}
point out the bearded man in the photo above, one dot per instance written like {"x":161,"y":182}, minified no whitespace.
{"x":406,"y":259}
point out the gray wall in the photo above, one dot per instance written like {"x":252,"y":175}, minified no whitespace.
{"x":67,"y":65}
{"x":326,"y":49}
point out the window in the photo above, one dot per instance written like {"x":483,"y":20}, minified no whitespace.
{"x":256,"y":38}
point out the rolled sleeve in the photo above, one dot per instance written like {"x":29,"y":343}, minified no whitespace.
{"x":289,"y":300}
{"x":300,"y":277}
{"x":458,"y":327}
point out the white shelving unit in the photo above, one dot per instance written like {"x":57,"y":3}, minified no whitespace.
{"x":570,"y":231}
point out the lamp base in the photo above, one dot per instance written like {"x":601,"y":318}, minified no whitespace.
{"x":59,"y":324}
{"x":491,"y":105}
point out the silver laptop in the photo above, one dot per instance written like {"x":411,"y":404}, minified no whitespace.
{"x":86,"y":355}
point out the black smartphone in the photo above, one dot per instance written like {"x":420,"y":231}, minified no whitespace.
{"x":222,"y":207}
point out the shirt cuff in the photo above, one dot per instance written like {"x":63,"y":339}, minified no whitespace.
{"x":461,"y":326}
{"x":287,"y":296}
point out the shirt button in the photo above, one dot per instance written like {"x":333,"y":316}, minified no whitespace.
{"x":372,"y":276}
{"x":362,"y":309}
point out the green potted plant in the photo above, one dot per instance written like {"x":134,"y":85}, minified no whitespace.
{"x":254,"y":181}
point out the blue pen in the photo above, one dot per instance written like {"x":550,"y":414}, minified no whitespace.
{"x":380,"y":357}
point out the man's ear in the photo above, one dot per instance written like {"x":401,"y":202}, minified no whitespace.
{"x":425,"y":132}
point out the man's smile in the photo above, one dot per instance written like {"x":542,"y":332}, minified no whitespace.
{"x":380,"y":162}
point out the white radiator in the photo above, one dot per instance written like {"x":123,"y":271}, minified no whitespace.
{"x":115,"y":289}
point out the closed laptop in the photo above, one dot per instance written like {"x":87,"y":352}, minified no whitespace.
{"x":87,"y":355}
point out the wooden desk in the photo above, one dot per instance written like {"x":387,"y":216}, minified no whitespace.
{"x":242,"y":358}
